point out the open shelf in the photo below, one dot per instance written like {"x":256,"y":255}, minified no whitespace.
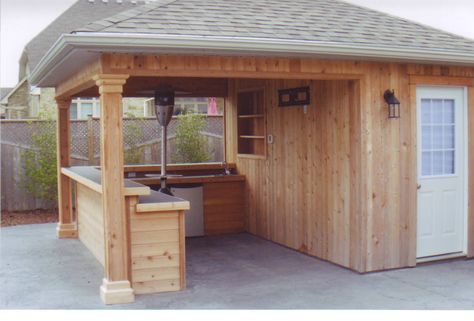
{"x":251,"y":123}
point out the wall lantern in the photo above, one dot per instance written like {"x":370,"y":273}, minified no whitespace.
{"x":393,"y":104}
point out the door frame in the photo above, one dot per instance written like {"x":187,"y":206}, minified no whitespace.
{"x":465,"y":165}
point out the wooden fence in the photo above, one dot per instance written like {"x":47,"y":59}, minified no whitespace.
{"x":16,"y":136}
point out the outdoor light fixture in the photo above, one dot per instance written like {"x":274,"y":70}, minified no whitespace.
{"x":393,"y":103}
{"x":164,"y":106}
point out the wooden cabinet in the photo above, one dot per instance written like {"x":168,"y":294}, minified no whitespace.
{"x":251,"y":123}
{"x":224,"y":203}
{"x":224,"y":207}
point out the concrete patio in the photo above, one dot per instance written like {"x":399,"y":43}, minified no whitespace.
{"x":227,"y":272}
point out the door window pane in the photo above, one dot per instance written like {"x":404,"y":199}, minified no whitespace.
{"x":449,"y":162}
{"x":426,"y":137}
{"x":448,"y":137}
{"x":437,"y":111}
{"x":448,"y":111}
{"x":438,"y":137}
{"x":438,"y":163}
{"x":426,"y":164}
{"x":425,"y":111}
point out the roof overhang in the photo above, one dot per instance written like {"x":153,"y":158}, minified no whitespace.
{"x":73,"y":51}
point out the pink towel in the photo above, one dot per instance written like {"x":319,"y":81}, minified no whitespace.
{"x":211,"y":106}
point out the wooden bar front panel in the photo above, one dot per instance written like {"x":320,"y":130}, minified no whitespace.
{"x":91,"y":221}
{"x":224,"y":208}
{"x":157,"y":252}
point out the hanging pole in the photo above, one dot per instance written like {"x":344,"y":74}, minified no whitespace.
{"x":164,"y":106}
{"x":164,"y":140}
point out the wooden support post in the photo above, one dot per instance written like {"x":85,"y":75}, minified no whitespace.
{"x":67,"y":228}
{"x":116,"y":287}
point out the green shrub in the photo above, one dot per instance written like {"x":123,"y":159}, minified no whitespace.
{"x":132,"y":136}
{"x":191,"y":145}
{"x":39,"y":176}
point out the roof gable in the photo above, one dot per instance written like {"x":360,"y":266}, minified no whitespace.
{"x":4,"y":91}
{"x":7,"y":92}
{"x":323,"y":21}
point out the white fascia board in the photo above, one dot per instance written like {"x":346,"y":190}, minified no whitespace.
{"x":153,"y":43}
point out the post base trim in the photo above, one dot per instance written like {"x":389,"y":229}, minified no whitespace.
{"x":116,"y":292}
{"x":66,"y":230}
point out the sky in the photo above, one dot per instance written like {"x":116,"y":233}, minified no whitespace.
{"x":21,"y":20}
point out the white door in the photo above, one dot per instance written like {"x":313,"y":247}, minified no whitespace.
{"x":441,"y":115}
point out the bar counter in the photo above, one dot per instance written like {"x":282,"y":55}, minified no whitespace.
{"x":155,"y":232}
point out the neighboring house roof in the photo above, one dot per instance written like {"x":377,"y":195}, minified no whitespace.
{"x":4,"y":99}
{"x":324,"y":21}
{"x":4,"y":92}
{"x":79,"y":14}
{"x":315,"y":28}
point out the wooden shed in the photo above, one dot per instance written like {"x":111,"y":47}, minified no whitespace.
{"x":321,"y":164}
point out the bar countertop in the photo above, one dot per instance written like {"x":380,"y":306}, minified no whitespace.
{"x":157,"y":201}
{"x":90,"y":177}
{"x":149,"y":200}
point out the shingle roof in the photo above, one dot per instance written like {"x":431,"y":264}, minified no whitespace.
{"x":325,"y":21}
{"x":79,"y":14}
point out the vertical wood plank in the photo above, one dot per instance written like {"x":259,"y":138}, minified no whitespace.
{"x":230,"y":117}
{"x":366,"y":183}
{"x":356,"y":217}
{"x":67,"y":228}
{"x":131,"y":210}
{"x":182,"y":250}
{"x":470,"y":229}
{"x":411,"y":191}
